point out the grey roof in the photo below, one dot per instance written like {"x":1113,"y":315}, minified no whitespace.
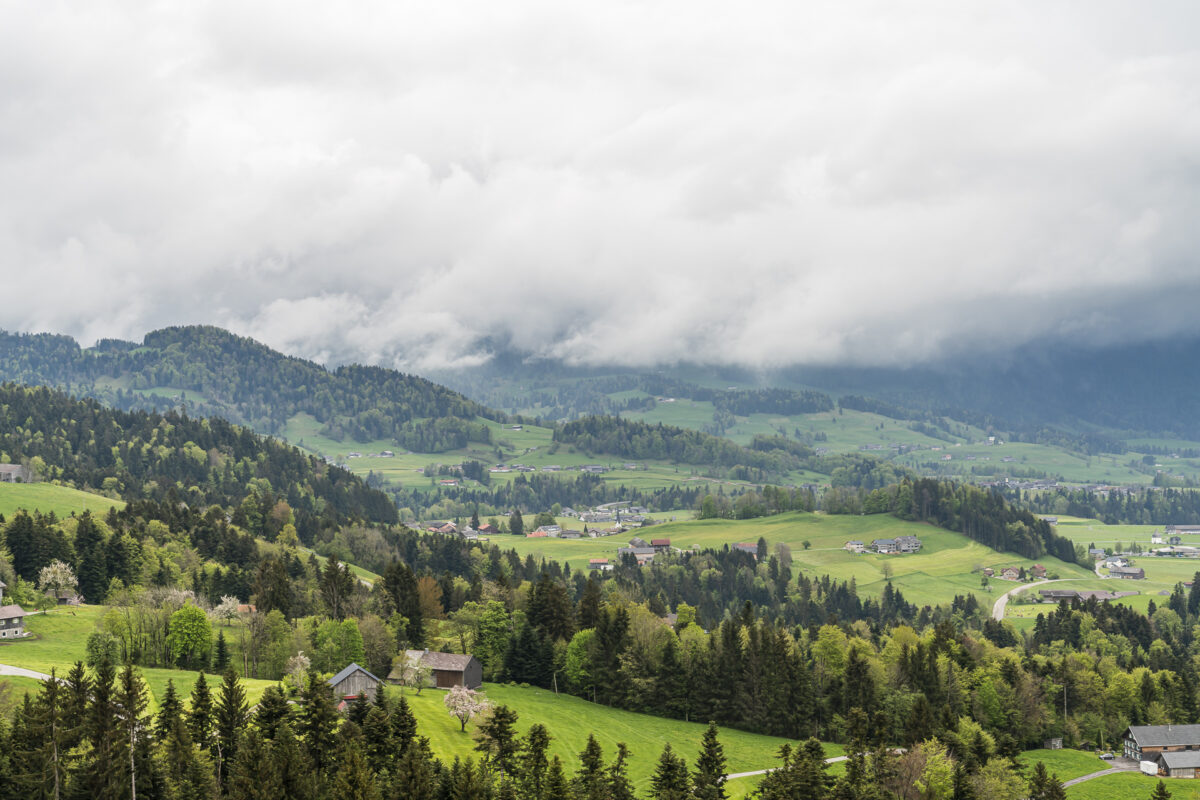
{"x":11,"y":612}
{"x":455,"y":662}
{"x":1164,"y":735}
{"x":1184,"y":759}
{"x":347,"y":672}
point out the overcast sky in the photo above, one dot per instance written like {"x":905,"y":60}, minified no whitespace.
{"x":633,"y":182}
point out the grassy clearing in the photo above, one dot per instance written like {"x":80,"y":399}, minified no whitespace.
{"x":1131,"y":786}
{"x":569,"y":720}
{"x":62,"y":638}
{"x":46,"y":497}
{"x":1066,"y":764}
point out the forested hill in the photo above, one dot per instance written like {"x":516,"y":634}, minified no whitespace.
{"x":214,"y":373}
{"x":140,"y":455}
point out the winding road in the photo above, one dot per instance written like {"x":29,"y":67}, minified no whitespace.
{"x":21,"y":672}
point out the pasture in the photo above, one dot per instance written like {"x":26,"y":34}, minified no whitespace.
{"x":569,"y":720}
{"x":947,"y":565}
{"x":46,"y":497}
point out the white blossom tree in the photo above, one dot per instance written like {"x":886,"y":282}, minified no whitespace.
{"x":297,"y":668}
{"x":413,"y":673}
{"x":464,"y":703}
{"x":57,"y":578}
{"x":227,"y":609}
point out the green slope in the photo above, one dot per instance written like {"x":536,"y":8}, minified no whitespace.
{"x":47,"y":497}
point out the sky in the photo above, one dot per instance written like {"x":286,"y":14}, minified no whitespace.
{"x":418,"y":184}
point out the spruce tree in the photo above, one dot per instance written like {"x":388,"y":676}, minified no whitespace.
{"x":496,"y":738}
{"x":129,"y":706}
{"x":272,"y":711}
{"x":404,"y":725}
{"x":1160,"y":792}
{"x":221,"y":656}
{"x":670,"y":778}
{"x":48,"y":727}
{"x":533,"y":763}
{"x":200,"y":716}
{"x":230,"y":715}
{"x":708,"y":781}
{"x":414,"y":776}
{"x":317,"y":723}
{"x":557,"y":787}
{"x":590,"y":779}
{"x":353,"y":779}
{"x":619,"y":787}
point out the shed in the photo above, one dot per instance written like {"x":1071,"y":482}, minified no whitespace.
{"x":353,"y":681}
{"x":445,"y":669}
{"x":1179,"y":765}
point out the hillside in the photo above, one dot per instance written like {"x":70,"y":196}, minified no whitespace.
{"x":144,"y":456}
{"x":48,"y":498}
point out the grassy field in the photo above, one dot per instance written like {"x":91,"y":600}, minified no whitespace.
{"x":61,"y":639}
{"x":1131,"y":786}
{"x":1066,"y":764}
{"x":569,"y":720}
{"x":946,"y":565}
{"x":46,"y":497}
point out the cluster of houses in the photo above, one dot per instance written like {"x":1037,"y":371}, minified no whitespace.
{"x":1082,"y":595}
{"x":901,"y":544}
{"x":1036,"y":572}
{"x":642,"y":551}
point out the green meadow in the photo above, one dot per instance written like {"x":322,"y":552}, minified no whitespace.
{"x":61,"y":640}
{"x":949,"y":563}
{"x":570,"y":720}
{"x":1131,"y":786}
{"x":47,"y":497}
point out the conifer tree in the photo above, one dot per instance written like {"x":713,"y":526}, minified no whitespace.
{"x":414,"y":775}
{"x":708,"y":781}
{"x":254,"y":774}
{"x":230,"y":716}
{"x":557,"y":787}
{"x":590,"y":783}
{"x":533,"y":763}
{"x":1160,"y":792}
{"x":221,"y":656}
{"x":496,"y":738}
{"x":378,"y":744}
{"x":47,"y":728}
{"x":200,"y":715}
{"x":404,"y":725}
{"x":318,"y":722}
{"x":272,"y":710}
{"x":353,"y":779}
{"x":670,"y":778}
{"x":619,"y":787}
{"x":129,"y":707}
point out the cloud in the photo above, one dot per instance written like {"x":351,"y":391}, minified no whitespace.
{"x":410,"y":185}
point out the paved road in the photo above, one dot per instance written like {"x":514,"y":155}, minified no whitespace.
{"x":731,"y":776}
{"x":1002,"y":601}
{"x":21,"y":672}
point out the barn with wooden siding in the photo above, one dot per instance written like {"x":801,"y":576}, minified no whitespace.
{"x":446,"y":670}
{"x":353,"y":681}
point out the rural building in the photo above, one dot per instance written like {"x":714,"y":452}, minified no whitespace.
{"x":1055,"y":595}
{"x":446,"y":670}
{"x":488,"y":530}
{"x":643,"y":555}
{"x":571,"y":534}
{"x":12,"y":618}
{"x":908,"y":544}
{"x":600,"y":564}
{"x":855,"y":546}
{"x":1178,"y":765}
{"x":1052,"y":744}
{"x":746,"y":547}
{"x":1127,"y":573}
{"x":15,"y":473}
{"x":1010,"y":574}
{"x":1038,"y":571}
{"x":1051,"y":520}
{"x":989,"y":572}
{"x":660,"y":545}
{"x":1147,"y":742}
{"x":1175,"y":540}
{"x":353,"y":681}
{"x":884,"y":545}
{"x":1156,"y":538}
{"x":1096,"y":552}
{"x":549,"y":530}
{"x":1192,"y":530}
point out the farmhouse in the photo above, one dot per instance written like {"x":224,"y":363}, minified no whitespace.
{"x":571,"y":534}
{"x":1010,"y":574}
{"x":14,"y":473}
{"x":1096,"y":552}
{"x":445,"y":669}
{"x":908,"y":544}
{"x":549,"y":530}
{"x":488,"y":530}
{"x":643,"y":555}
{"x":884,"y":545}
{"x":1156,"y":538}
{"x":855,"y":546}
{"x":660,"y":545}
{"x":1175,"y":540}
{"x":1057,"y":595}
{"x":746,"y":547}
{"x":1127,"y":573}
{"x":354,"y":681}
{"x":1147,"y":742}
{"x":12,"y":618}
{"x":600,"y":564}
{"x":1038,"y":571}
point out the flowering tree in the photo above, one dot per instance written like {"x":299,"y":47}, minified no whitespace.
{"x":464,"y":703}
{"x":227,"y":609}
{"x":297,"y":668}
{"x":413,"y":672}
{"x":56,"y":578}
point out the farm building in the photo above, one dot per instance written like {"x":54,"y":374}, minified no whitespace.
{"x":855,"y":546}
{"x":1127,"y":573}
{"x":660,"y":545}
{"x":1037,"y":571}
{"x":12,"y":618}
{"x":1055,"y":595}
{"x":571,"y":534}
{"x":908,"y":544}
{"x":1010,"y":574}
{"x":1096,"y":552}
{"x":1156,"y":538}
{"x":1147,"y":742}
{"x":746,"y":547}
{"x":643,"y":555}
{"x":353,"y":681}
{"x":601,"y":564}
{"x":488,"y":530}
{"x":1193,"y":530}
{"x":1178,"y":765}
{"x":884,"y":545}
{"x":14,"y":473}
{"x":445,"y":669}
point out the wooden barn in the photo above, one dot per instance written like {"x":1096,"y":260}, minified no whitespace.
{"x":353,"y":681}
{"x":446,"y":670}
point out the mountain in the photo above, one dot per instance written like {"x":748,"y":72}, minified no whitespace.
{"x":211,"y":372}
